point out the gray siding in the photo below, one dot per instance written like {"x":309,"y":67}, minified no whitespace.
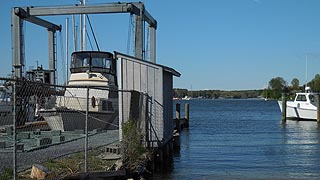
{"x":154,"y":80}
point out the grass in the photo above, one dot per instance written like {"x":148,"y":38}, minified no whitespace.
{"x":73,"y":164}
{"x":6,"y":174}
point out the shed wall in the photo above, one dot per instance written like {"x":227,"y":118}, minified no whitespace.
{"x":142,"y":76}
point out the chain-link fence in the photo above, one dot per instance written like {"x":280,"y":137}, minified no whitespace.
{"x":63,"y":128}
{"x":67,"y":130}
{"x":141,"y":107}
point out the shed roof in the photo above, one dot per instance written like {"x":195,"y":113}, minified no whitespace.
{"x":165,"y":68}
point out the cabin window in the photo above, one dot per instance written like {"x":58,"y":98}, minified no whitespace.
{"x":86,"y":62}
{"x":97,"y":62}
{"x":83,"y":61}
{"x":301,"y":98}
{"x":107,"y":63}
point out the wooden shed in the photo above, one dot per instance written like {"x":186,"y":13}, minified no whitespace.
{"x":153,"y":80}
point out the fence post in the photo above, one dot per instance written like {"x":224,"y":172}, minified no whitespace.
{"x":14,"y":132}
{"x":178,"y":117}
{"x":86,"y":133}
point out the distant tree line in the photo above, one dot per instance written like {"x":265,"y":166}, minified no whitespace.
{"x":274,"y":91}
{"x":215,"y":94}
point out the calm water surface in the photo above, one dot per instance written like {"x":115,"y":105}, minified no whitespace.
{"x":244,"y":139}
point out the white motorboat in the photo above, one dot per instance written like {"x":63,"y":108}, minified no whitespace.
{"x":304,"y":106}
{"x":187,"y":98}
{"x":88,"y":69}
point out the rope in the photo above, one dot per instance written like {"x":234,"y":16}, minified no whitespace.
{"x":95,"y":40}
{"x":89,"y":40}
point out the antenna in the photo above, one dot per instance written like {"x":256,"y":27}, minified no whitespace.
{"x":306,"y":69}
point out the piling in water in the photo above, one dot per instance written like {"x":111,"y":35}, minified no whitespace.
{"x":318,"y":109}
{"x":186,"y":116}
{"x":284,"y":106}
{"x":178,"y":117}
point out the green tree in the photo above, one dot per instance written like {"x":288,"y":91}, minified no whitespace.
{"x":295,"y":84}
{"x":276,"y":85}
{"x":315,"y":83}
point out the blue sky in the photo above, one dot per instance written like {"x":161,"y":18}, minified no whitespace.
{"x":214,"y":44}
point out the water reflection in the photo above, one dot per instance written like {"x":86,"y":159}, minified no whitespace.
{"x":301,"y":141}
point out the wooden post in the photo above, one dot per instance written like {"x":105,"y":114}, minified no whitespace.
{"x":284,"y":107}
{"x":318,"y":110}
{"x":186,"y":114}
{"x":178,"y":117}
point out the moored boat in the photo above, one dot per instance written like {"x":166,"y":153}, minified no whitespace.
{"x":304,"y":106}
{"x":95,"y":70}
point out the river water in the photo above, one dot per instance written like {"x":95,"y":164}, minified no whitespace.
{"x":244,"y":139}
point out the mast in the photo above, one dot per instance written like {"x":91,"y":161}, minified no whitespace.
{"x":80,"y":33}
{"x":83,"y":28}
{"x":67,"y":47}
{"x":74,"y":31}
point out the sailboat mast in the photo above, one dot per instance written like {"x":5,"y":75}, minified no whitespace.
{"x":80,"y":29}
{"x":74,"y":31}
{"x":67,"y":47}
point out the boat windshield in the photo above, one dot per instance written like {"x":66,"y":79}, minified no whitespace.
{"x":92,"y":61}
{"x":301,"y":97}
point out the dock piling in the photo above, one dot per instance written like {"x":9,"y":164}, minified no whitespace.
{"x":178,"y":126}
{"x":186,"y":116}
{"x":318,"y":109}
{"x":284,"y":105}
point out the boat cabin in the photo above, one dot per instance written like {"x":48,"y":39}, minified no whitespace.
{"x":305,"y":98}
{"x":93,"y":61}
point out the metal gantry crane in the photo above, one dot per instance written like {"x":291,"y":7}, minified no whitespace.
{"x":32,"y":14}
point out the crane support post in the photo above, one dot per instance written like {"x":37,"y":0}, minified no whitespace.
{"x":17,"y":45}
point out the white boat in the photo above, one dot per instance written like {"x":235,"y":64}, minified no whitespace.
{"x":186,"y":98}
{"x":304,"y":106}
{"x":89,"y":69}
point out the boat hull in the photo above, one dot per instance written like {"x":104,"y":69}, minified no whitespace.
{"x":299,"y":113}
{"x":71,"y":120}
